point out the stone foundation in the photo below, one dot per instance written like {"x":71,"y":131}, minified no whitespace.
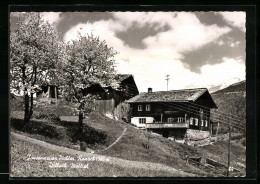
{"x":196,"y":135}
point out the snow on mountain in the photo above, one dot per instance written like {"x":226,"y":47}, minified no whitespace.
{"x":214,"y":88}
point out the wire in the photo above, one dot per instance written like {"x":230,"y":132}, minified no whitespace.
{"x":217,"y":119}
{"x":220,"y":112}
{"x":198,"y":115}
{"x":216,"y":113}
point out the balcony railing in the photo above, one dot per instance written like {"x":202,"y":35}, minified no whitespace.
{"x":168,"y":125}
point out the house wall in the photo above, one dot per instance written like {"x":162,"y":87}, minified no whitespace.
{"x":135,"y":121}
{"x":121,"y":111}
{"x":49,"y":91}
{"x":144,"y":112}
{"x":163,"y":111}
{"x":105,"y":106}
{"x":112,"y":103}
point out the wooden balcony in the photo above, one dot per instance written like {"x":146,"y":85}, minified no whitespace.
{"x":167,"y":125}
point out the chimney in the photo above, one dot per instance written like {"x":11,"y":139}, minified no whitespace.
{"x":150,"y":90}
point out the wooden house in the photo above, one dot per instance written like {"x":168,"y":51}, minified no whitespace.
{"x":49,"y":91}
{"x":112,"y":101}
{"x":172,"y":112}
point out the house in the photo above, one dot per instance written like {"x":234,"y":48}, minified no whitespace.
{"x":112,"y":101}
{"x":171,"y":113}
{"x":49,"y":91}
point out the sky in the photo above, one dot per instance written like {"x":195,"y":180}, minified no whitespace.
{"x":196,"y":49}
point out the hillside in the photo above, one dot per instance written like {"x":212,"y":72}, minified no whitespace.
{"x":215,"y":88}
{"x":236,"y":87}
{"x":101,"y":166}
{"x":231,"y":99}
{"x":100,"y":132}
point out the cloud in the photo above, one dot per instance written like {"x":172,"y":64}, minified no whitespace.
{"x":237,"y":19}
{"x":164,"y":51}
{"x":218,"y":73}
{"x":234,"y":44}
{"x":158,"y":19}
{"x":104,"y":29}
{"x":187,"y":34}
{"x":51,"y":17}
{"x":228,"y":41}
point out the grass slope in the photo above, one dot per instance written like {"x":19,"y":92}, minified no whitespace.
{"x":130,"y":147}
{"x":231,"y":100}
{"x":21,"y":167}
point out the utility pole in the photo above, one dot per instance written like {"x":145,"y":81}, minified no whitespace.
{"x":167,"y":78}
{"x":229,"y":147}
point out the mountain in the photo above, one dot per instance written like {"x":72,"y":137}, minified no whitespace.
{"x":231,"y":102}
{"x":236,"y":87}
{"x":226,"y":84}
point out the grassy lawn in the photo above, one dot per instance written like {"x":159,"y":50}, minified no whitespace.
{"x":131,"y":146}
{"x":21,"y":167}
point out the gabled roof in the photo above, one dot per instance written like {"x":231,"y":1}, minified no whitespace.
{"x":121,"y":77}
{"x":183,"y":95}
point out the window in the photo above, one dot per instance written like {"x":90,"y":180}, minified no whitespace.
{"x":196,"y":121}
{"x":180,"y":119}
{"x":142,"y":120}
{"x":206,"y":123}
{"x":202,"y":123}
{"x":148,"y":107}
{"x":170,"y":120}
{"x":201,"y":112}
{"x":191,"y":121}
{"x":140,"y":107}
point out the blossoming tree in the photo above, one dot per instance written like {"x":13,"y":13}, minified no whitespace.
{"x":35,"y":48}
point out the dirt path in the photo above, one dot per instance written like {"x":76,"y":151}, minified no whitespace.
{"x":112,"y":160}
{"x":118,"y":139}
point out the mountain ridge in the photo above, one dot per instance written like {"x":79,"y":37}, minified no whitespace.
{"x":231,"y":100}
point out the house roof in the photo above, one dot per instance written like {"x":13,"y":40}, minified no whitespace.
{"x":121,"y":77}
{"x":183,"y":95}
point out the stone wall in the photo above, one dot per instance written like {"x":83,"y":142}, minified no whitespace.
{"x":196,"y":135}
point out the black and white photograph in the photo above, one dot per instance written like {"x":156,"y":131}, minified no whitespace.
{"x":127,"y":94}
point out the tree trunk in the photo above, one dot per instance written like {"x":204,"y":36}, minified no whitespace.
{"x":31,"y":106}
{"x":80,"y":125}
{"x":26,"y":109}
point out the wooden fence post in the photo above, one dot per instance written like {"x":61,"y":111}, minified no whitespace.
{"x":217,"y":128}
{"x":229,"y":147}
